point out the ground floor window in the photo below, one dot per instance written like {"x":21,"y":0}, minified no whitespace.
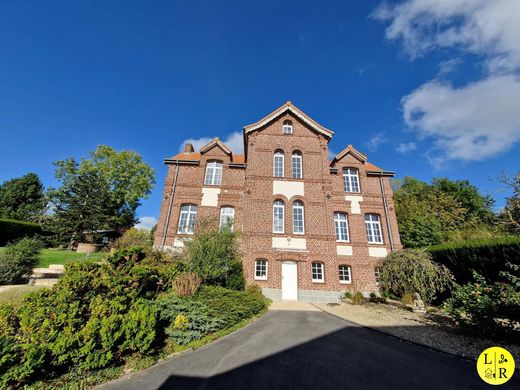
{"x":377,"y":273}
{"x":345,"y":275}
{"x":317,"y":272}
{"x":261,"y":269}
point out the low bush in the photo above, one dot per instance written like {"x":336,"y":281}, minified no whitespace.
{"x":413,"y":271}
{"x":12,"y":230}
{"x":487,"y":308}
{"x":375,"y":299}
{"x":134,"y":237}
{"x":18,"y":259}
{"x":487,"y":257}
{"x":185,"y":285}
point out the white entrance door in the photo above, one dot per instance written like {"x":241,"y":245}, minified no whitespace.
{"x":289,"y":281}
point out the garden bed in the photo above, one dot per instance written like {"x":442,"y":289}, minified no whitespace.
{"x":432,"y":329}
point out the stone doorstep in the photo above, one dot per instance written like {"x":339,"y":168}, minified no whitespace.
{"x":44,"y":281}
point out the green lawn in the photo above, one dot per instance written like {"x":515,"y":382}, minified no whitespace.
{"x":58,"y":256}
{"x":15,"y":295}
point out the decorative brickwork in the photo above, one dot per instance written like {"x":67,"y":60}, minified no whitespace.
{"x":248,"y":184}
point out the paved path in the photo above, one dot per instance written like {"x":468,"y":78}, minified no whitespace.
{"x":308,"y":350}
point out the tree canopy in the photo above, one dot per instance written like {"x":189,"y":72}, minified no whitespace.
{"x":428,"y":213}
{"x":117,"y":181}
{"x":22,"y":198}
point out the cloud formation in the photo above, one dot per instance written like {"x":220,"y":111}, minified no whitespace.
{"x":478,"y":120}
{"x":234,"y":140}
{"x":376,"y":141}
{"x":146,"y":223}
{"x":405,"y":147}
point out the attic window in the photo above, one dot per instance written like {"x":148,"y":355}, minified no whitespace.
{"x":287,"y":127}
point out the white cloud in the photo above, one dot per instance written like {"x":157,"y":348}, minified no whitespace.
{"x":478,"y":120}
{"x":376,"y":141}
{"x":470,"y":123}
{"x":234,"y":140}
{"x":405,"y":147}
{"x":146,"y":223}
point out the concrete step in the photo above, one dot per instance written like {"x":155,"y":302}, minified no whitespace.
{"x":57,"y":267}
{"x":46,"y":273}
{"x":43,"y":281}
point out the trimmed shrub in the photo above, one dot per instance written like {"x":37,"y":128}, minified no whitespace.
{"x":134,"y":237}
{"x":11,"y":230}
{"x":186,"y":285}
{"x":487,"y":257}
{"x":413,"y":271}
{"x":18,"y":259}
{"x":235,"y":279}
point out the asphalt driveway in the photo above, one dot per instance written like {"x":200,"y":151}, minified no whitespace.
{"x":308,"y":350}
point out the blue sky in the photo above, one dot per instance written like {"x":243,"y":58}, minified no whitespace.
{"x":414,"y":84}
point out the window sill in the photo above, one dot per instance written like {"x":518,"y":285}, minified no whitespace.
{"x":344,"y":282}
{"x":185,"y":234}
{"x":318,"y":281}
{"x":376,"y":243}
{"x":299,"y":234}
{"x":278,"y":232}
{"x":342,"y":242}
{"x":258,"y":278}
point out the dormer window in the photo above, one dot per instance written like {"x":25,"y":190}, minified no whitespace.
{"x":350,"y":180}
{"x":213,"y":175}
{"x":287,"y":127}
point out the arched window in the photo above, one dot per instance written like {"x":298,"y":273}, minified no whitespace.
{"x":345,"y":274}
{"x":213,"y":175}
{"x":341,"y":227}
{"x":287,"y":127}
{"x":227,"y":217}
{"x":187,"y":219}
{"x":318,"y":273}
{"x":350,"y":180}
{"x":278,"y":165}
{"x":297,"y":172}
{"x":261,"y":269}
{"x":278,"y":216}
{"x":298,"y":219}
{"x":373,"y":227}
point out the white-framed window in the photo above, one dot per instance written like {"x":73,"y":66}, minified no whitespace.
{"x":298,"y":218}
{"x":350,"y":180}
{"x":377,"y":273}
{"x":345,"y":274}
{"x":213,"y":175}
{"x":227,"y":217}
{"x":317,"y":272}
{"x":278,"y":164}
{"x":187,"y":219}
{"x":278,"y":216}
{"x":297,"y":172}
{"x":341,"y":227}
{"x":261,"y":269}
{"x":287,"y":127}
{"x":373,"y":227}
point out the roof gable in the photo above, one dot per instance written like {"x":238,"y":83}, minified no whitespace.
{"x":215,"y":142}
{"x":352,"y":151}
{"x":289,"y":107}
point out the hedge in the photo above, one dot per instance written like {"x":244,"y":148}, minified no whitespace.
{"x":487,"y":257}
{"x":11,"y":229}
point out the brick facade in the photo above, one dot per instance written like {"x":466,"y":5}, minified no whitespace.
{"x":248,"y":184}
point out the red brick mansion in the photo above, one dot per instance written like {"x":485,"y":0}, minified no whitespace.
{"x":311,"y":227}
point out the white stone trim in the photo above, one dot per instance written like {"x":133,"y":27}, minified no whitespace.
{"x":210,"y":196}
{"x":344,"y":250}
{"x":288,"y":188}
{"x":377,"y":252}
{"x":355,"y":207}
{"x":289,"y":243}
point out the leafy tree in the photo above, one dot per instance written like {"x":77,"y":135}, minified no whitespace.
{"x":126,"y":177}
{"x":429,"y":214}
{"x":510,"y":216}
{"x":22,"y":198}
{"x":80,"y":207}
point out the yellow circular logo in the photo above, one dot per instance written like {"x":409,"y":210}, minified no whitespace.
{"x":495,"y":365}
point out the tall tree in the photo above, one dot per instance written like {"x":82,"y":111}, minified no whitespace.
{"x":79,"y":208}
{"x":22,"y":198}
{"x":127,"y":178}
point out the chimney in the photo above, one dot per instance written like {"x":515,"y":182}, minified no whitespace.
{"x":188,"y":148}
